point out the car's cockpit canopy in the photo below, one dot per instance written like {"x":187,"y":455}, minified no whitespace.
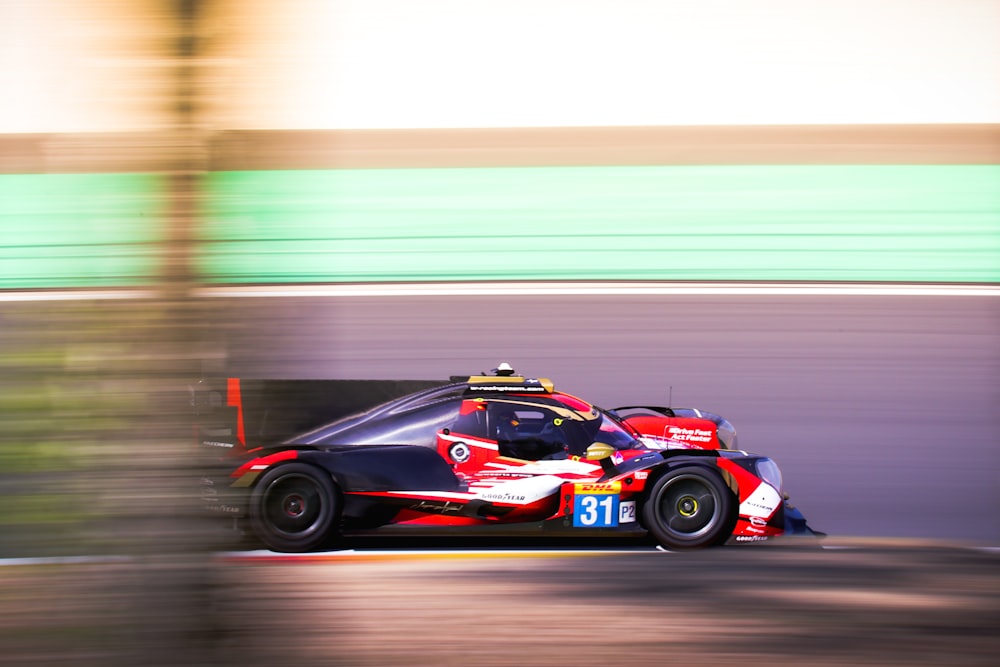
{"x":526,"y":418}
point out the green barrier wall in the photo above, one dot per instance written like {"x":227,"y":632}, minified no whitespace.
{"x":910,"y":223}
{"x":79,"y":230}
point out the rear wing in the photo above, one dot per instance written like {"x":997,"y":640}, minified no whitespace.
{"x":235,"y":415}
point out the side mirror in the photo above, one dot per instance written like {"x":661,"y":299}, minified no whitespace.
{"x":599,"y":451}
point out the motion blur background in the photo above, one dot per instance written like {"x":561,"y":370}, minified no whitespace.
{"x":680,"y":192}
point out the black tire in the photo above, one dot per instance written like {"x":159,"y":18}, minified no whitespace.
{"x":690,"y":508}
{"x":294,"y":507}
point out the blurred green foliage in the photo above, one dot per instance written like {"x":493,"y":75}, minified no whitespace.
{"x":76,"y":381}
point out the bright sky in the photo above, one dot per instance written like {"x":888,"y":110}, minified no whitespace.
{"x":483,"y":63}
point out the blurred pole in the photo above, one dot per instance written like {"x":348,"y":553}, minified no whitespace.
{"x":172,"y":620}
{"x":189,"y":161}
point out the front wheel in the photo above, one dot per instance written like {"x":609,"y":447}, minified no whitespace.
{"x":293,"y":507}
{"x":689,"y":508}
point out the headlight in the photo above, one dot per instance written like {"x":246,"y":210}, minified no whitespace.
{"x":768,"y":471}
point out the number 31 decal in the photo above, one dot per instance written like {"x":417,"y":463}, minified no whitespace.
{"x":595,"y":510}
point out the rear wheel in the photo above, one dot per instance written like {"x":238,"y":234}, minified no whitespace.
{"x":690,"y":508}
{"x":294,"y":507}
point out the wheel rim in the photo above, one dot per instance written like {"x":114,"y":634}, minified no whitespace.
{"x":293,"y":505}
{"x":689,"y":507}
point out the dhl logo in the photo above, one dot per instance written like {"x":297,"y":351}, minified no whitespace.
{"x":597,"y":488}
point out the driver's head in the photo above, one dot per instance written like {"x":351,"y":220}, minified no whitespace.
{"x":506,"y":427}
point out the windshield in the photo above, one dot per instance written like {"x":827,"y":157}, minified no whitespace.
{"x":609,"y":431}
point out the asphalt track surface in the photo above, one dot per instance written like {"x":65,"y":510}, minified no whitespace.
{"x":881,"y":410}
{"x":778,"y":603}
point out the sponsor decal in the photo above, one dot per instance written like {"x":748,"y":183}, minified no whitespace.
{"x":460,"y":452}
{"x":641,"y":475}
{"x":757,"y":521}
{"x":751,"y":538}
{"x":689,"y":434}
{"x":522,"y":491}
{"x":527,"y":388}
{"x":225,"y":509}
{"x":503,"y":467}
{"x":762,"y":503}
{"x":437,"y":507}
{"x":216,"y":443}
{"x":597,"y":487}
{"x":503,"y":497}
{"x":499,"y":475}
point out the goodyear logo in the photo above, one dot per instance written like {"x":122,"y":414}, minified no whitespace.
{"x":594,"y":488}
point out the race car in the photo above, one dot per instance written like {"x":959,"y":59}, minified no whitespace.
{"x":494,"y":453}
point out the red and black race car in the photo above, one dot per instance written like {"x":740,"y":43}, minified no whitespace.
{"x":487,"y":453}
